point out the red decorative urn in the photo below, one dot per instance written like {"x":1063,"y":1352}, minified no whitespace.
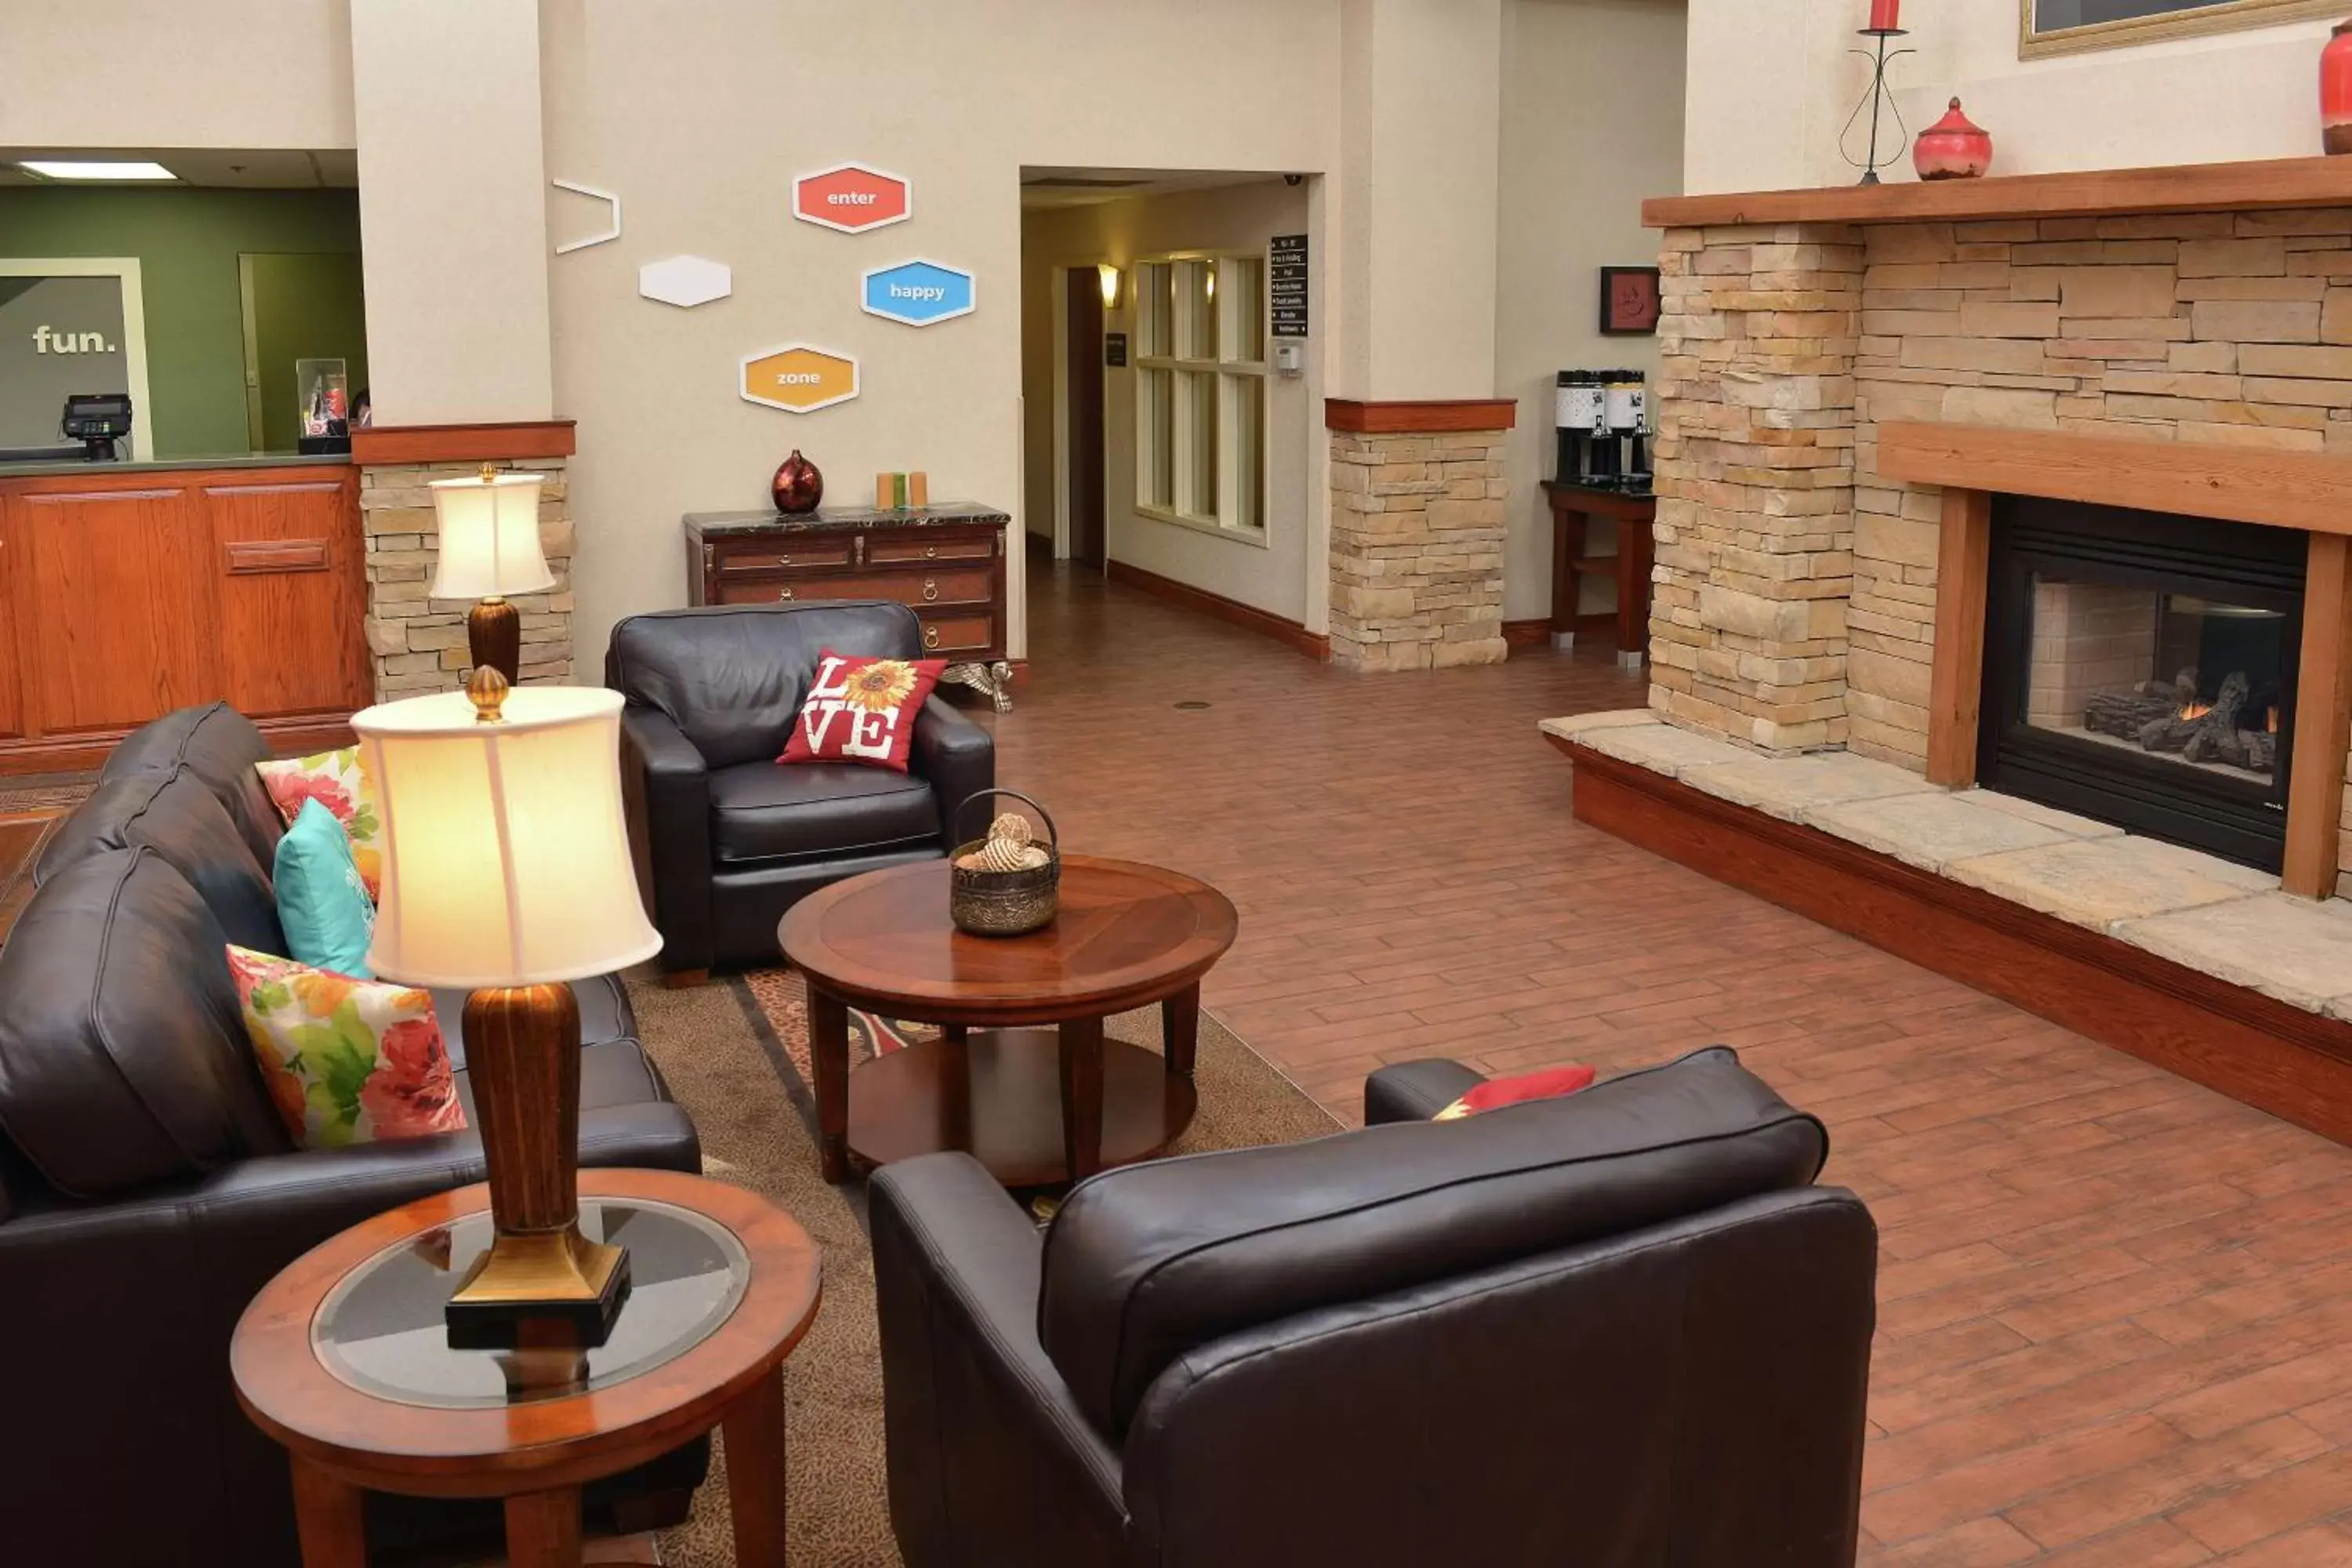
{"x":2336,"y":90}
{"x":798,"y":485}
{"x":1954,"y":148}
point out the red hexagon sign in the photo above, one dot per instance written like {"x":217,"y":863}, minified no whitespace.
{"x":852,"y":198}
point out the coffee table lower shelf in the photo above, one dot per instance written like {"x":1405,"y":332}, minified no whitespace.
{"x":997,"y":1094}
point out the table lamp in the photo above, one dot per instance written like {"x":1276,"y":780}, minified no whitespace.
{"x":489,"y":548}
{"x":507,"y":873}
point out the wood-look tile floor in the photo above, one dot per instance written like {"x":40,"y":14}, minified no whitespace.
{"x":2115,"y":1309}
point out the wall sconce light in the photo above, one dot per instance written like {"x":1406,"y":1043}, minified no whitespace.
{"x":1209,"y":274}
{"x":1110,"y":277}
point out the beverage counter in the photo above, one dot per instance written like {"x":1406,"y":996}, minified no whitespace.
{"x":130,"y":589}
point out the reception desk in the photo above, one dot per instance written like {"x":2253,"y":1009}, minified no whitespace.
{"x":130,"y":589}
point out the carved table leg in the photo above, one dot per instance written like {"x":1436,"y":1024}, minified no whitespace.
{"x":1082,"y":1095}
{"x":829,"y":1057}
{"x":754,"y":1426}
{"x":328,"y":1519}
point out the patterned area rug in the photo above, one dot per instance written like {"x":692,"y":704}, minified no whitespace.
{"x":15,"y":800}
{"x":736,"y":1056}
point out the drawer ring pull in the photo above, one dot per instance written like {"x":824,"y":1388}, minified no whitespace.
{"x":930,"y":551}
{"x":783,"y":594}
{"x":783,"y":559}
{"x":931,"y":590}
{"x":931,"y":637}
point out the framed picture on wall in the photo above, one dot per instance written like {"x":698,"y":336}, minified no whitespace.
{"x":1629,"y":301}
{"x":2066,"y":26}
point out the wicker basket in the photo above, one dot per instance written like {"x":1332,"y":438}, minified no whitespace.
{"x":1004,"y":903}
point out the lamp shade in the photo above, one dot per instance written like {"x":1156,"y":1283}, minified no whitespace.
{"x":489,"y":537}
{"x":505,"y":859}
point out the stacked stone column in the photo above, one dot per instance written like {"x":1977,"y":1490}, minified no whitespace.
{"x":419,"y":644}
{"x":1417,"y":549}
{"x":1755,"y":481}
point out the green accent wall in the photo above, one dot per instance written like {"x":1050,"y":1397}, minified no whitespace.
{"x":187,"y":242}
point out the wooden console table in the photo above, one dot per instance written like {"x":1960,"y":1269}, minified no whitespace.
{"x":1573,"y":508}
{"x":946,"y":562}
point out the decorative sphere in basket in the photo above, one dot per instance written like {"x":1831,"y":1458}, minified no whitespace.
{"x":1005,"y":884}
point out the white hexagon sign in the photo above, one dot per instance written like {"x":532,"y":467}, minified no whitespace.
{"x":685,"y":280}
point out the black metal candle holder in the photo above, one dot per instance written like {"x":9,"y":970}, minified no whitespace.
{"x":1878,"y":94}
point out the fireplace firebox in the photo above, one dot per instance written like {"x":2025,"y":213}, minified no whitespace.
{"x":2140,"y":668}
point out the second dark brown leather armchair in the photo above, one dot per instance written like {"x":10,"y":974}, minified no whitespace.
{"x":726,"y":840}
{"x":1618,"y":1329}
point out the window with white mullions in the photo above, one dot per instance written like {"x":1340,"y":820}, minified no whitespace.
{"x":1200,"y":406}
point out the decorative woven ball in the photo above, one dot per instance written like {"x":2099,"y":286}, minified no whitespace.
{"x":1012,"y":825}
{"x":1002,"y":855}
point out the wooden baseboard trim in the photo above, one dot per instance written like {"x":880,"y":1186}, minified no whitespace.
{"x":1432,"y":417}
{"x":2254,"y":1048}
{"x":464,"y":443}
{"x":1537,"y":633}
{"x":296,"y":735}
{"x":1232,"y":612}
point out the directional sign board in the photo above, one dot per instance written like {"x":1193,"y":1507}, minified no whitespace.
{"x":798,"y":378}
{"x":852,"y":198}
{"x":918,"y":293}
{"x":1287,"y":285}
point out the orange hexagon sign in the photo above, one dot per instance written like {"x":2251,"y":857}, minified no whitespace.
{"x":799,"y":378}
{"x":852,"y":198}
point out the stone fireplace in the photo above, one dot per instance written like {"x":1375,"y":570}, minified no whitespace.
{"x":1850,"y":379}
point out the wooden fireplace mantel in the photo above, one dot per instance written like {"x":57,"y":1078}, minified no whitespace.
{"x":2308,"y":492}
{"x":2255,"y":186}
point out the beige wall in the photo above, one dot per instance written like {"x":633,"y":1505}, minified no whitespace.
{"x":1591,"y":122}
{"x":1770,"y":83}
{"x":185,"y":73}
{"x":1272,"y":576}
{"x":452,"y":203}
{"x":693,"y":112}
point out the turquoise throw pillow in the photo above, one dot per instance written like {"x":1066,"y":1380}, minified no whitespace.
{"x":321,"y":901}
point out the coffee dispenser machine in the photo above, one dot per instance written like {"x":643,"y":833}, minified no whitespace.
{"x":1602,"y":427}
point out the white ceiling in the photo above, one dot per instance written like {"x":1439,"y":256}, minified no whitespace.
{"x":1070,"y":187}
{"x":271,"y":169}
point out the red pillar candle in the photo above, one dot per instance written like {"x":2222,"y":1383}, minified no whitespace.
{"x":2336,"y":90}
{"x":1882,"y":15}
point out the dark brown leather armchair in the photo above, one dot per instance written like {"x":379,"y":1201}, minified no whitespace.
{"x":727,"y":841}
{"x":148,"y":1189}
{"x":1618,"y":1329}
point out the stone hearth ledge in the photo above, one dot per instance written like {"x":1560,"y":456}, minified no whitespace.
{"x":2191,"y":908}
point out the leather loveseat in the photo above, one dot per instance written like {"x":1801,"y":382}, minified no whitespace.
{"x":726,"y":841}
{"x":1621,"y":1328}
{"x":148,"y":1190}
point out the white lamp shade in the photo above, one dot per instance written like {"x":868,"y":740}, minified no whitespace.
{"x":504,"y":859}
{"x":489,"y":538}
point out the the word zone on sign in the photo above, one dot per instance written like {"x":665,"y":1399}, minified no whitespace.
{"x":798,"y":378}
{"x":918,"y":293}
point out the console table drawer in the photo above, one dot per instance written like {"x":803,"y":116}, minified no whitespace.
{"x":968,"y":547}
{"x":954,"y":632}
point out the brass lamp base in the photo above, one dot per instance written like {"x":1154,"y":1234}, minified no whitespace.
{"x":558,"y":1278}
{"x":541,"y":1282}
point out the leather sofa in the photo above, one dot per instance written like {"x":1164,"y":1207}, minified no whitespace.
{"x":1618,"y":1329}
{"x":725,"y":840}
{"x":148,"y":1189}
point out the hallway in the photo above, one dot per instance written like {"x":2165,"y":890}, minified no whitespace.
{"x":2115,"y":1317}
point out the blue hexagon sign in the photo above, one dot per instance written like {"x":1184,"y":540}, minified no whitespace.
{"x":918,"y":293}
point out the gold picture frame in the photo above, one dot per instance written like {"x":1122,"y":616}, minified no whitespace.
{"x":2220,"y":17}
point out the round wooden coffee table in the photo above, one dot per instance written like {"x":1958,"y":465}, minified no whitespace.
{"x":1021,"y":1076}
{"x":343,"y":1359}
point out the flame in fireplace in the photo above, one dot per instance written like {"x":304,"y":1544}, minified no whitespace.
{"x":2271,"y":724}
{"x":2190,"y":710}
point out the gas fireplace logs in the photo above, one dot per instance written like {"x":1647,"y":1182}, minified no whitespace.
{"x":2169,"y":717}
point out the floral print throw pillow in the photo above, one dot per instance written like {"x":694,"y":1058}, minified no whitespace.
{"x":347,"y":1061}
{"x":337,"y":780}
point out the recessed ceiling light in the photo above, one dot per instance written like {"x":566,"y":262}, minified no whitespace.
{"x":82,"y":169}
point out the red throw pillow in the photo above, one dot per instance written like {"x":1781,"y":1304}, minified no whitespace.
{"x":1497,"y":1092}
{"x":862,"y":710}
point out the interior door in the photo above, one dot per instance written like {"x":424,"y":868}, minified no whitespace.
{"x":1085,"y":381}
{"x":296,"y":305}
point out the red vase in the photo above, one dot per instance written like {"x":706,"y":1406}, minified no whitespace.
{"x":2336,"y":90}
{"x":1954,"y":148}
{"x":798,"y":485}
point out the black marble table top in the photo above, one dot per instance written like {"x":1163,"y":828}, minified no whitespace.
{"x":743,"y":524}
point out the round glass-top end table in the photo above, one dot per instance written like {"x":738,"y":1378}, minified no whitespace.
{"x":345,"y":1360}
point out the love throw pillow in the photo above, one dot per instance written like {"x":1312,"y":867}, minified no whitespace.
{"x":862,"y":710}
{"x":1497,"y":1092}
